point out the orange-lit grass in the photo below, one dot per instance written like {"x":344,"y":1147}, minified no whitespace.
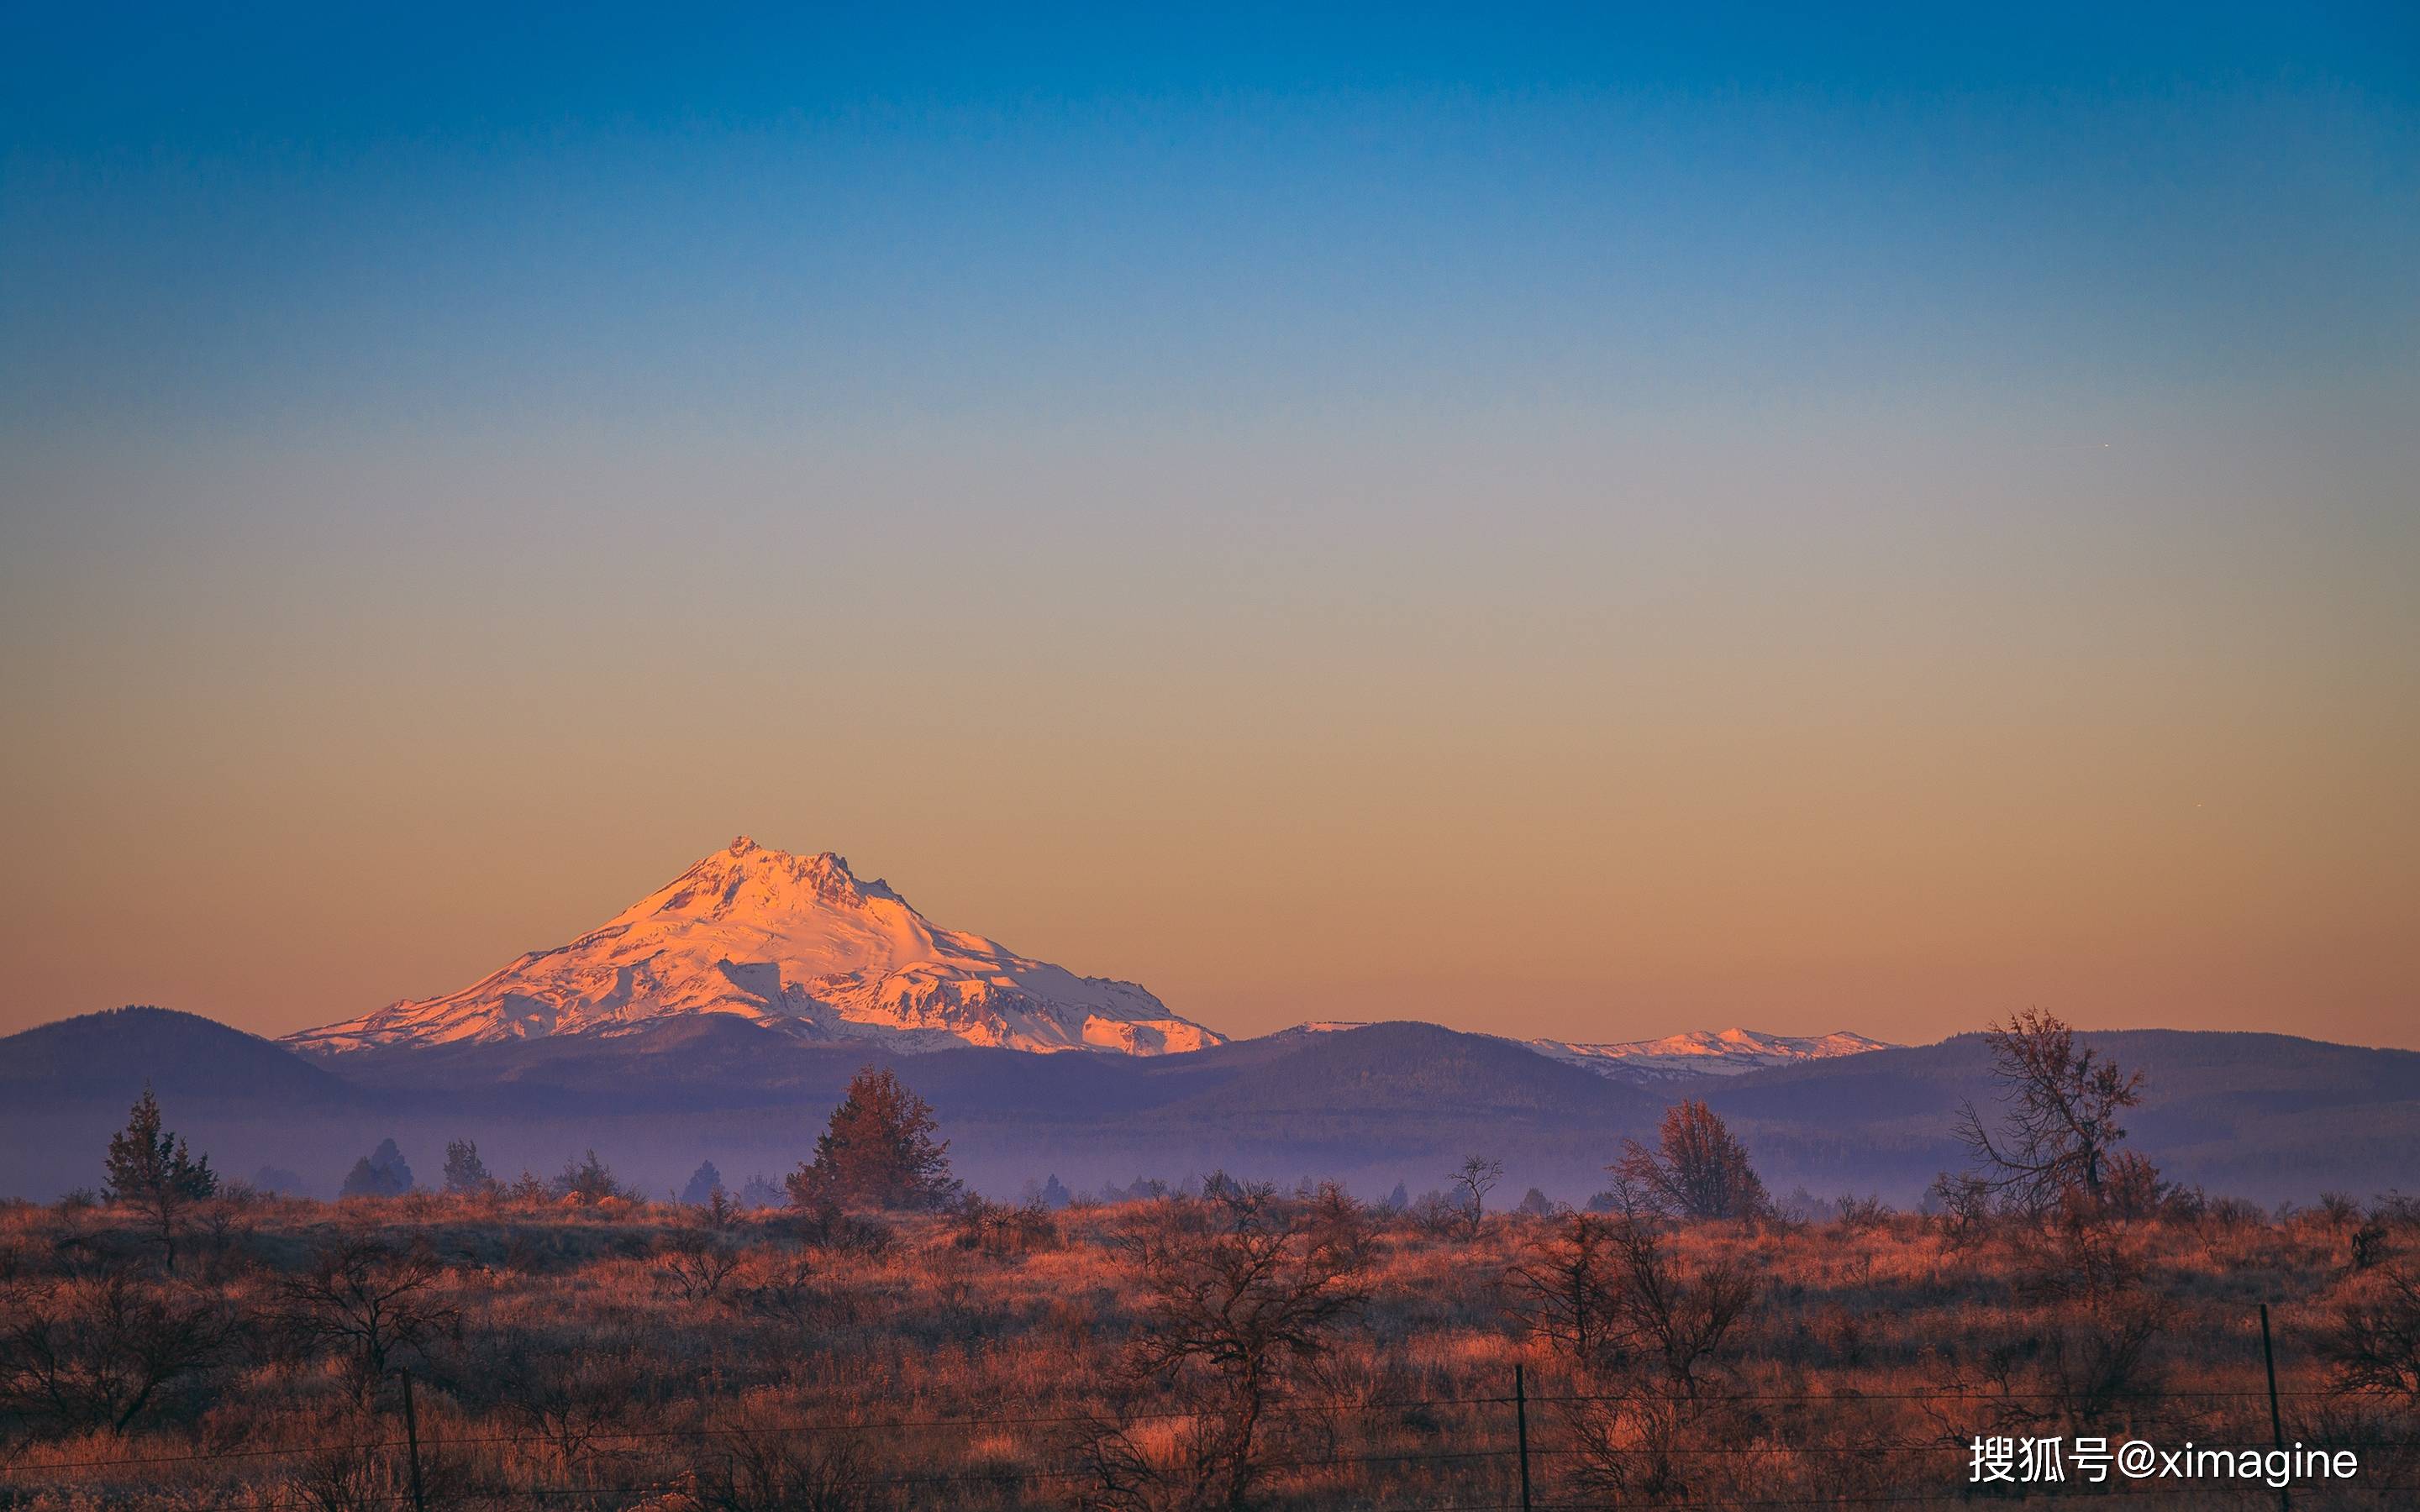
{"x":929,"y":1375}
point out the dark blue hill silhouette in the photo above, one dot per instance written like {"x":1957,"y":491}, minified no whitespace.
{"x":112,"y":1053}
{"x":1387,"y":1070}
{"x":2263,"y":1115}
{"x":2268,"y":1117}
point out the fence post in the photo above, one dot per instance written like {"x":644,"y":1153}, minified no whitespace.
{"x":411,"y":1442}
{"x":2277,"y":1424}
{"x":1521,"y":1427}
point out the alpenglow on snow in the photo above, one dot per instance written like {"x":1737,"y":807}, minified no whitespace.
{"x":797,"y":943}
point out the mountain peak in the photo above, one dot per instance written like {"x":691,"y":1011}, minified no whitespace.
{"x":747,"y":853}
{"x":795,"y":942}
{"x":747,"y":878}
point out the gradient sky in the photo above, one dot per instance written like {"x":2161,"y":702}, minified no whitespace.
{"x":1589,"y":524}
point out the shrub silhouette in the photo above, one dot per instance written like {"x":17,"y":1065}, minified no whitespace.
{"x":587,"y":1180}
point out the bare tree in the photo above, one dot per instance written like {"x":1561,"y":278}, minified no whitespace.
{"x":748,"y":1459}
{"x":1676,"y":1319}
{"x":369,"y":1300}
{"x":1471,"y":1183}
{"x":568,"y":1399}
{"x":350,"y":1473}
{"x":2374,"y":1342}
{"x":1700,"y":1171}
{"x":1566,"y":1287}
{"x":1243,"y":1296}
{"x":1659,"y":1366}
{"x":1438,"y":1216}
{"x":1962,"y":1210}
{"x":2062,"y":1107}
{"x":1861,"y":1215}
{"x":98,"y":1353}
{"x":696,"y":1262}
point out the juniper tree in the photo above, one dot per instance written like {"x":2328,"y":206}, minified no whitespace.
{"x":151,"y":1171}
{"x":878,"y":1152}
{"x":382,"y":1173}
{"x":704,"y":1183}
{"x":466,"y":1174}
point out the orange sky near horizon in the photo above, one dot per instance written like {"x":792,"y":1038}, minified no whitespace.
{"x":1539,"y":726}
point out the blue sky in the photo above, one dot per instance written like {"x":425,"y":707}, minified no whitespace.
{"x":305,"y":217}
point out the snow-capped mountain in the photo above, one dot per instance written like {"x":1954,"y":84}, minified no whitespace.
{"x":1703,"y":1053}
{"x":795,"y":942}
{"x":1697,"y":1053}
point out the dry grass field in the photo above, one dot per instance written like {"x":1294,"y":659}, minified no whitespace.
{"x":1250,"y":1348}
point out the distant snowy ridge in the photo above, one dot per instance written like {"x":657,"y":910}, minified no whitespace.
{"x":1674,"y":1058}
{"x":797,"y":943}
{"x":1704,"y":1053}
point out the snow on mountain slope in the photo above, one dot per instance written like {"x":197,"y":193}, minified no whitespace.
{"x":795,"y":942}
{"x":1697,"y":1053}
{"x":1703,"y":1053}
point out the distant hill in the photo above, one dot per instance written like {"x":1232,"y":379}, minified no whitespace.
{"x":2268,"y":1117}
{"x":1665,"y":1063}
{"x":115,"y":1053}
{"x":1380,"y":1083}
{"x":65,"y":1088}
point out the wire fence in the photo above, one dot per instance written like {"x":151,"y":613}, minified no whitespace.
{"x":1504,"y":1450}
{"x":863,"y":1424}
